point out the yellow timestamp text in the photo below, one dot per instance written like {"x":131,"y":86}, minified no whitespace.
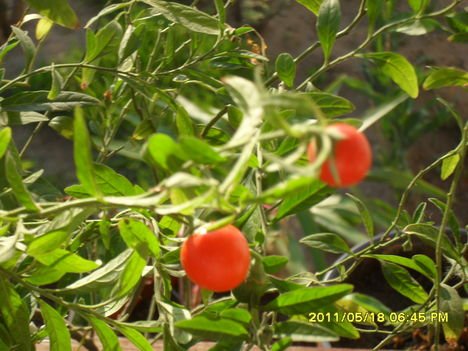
{"x":371,"y":317}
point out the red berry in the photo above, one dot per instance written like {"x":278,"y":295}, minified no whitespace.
{"x":217,"y":260}
{"x":351,"y":157}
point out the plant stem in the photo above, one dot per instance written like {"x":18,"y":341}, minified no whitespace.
{"x":326,"y":66}
{"x":310,"y":49}
{"x":445,"y":218}
{"x":64,"y":65}
{"x":40,"y":125}
{"x":213,"y":121}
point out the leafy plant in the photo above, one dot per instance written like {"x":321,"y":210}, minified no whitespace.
{"x":180,"y":124}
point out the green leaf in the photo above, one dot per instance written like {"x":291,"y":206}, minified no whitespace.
{"x":426,"y":264}
{"x":304,"y":300}
{"x":183,"y":122}
{"x":400,"y":280}
{"x":146,"y":326}
{"x":298,"y":201}
{"x":420,"y":212}
{"x":327,"y":242}
{"x":445,"y":77}
{"x":370,"y":303}
{"x":13,"y":175}
{"x":449,"y":165}
{"x":418,"y":6}
{"x":37,"y":101}
{"x":47,"y":242}
{"x":365,"y":214}
{"x":452,"y":304}
{"x":5,"y":138}
{"x":106,"y":275}
{"x":374,"y":9}
{"x":131,"y":275}
{"x":82,"y":154}
{"x":453,"y":222}
{"x":199,"y":151}
{"x":109,"y":341}
{"x":162,"y":149}
{"x":136,"y":338}
{"x":44,"y":275}
{"x":428,"y":234}
{"x":66,"y":261}
{"x":374,"y":115}
{"x":107,"y":10}
{"x":108,"y":181}
{"x":26,"y":44}
{"x":282,"y":344}
{"x":58,"y":11}
{"x":139,"y":237}
{"x":289,"y":186}
{"x":458,"y":21}
{"x":328,"y":24}
{"x":128,"y":44}
{"x":4,"y":50}
{"x":221,"y":12}
{"x":343,"y":329}
{"x":405,"y":262}
{"x":398,"y":69}
{"x":246,"y":95}
{"x":67,"y":220}
{"x":59,"y":335}
{"x":22,"y":118}
{"x":213,"y":328}
{"x":456,"y":38}
{"x":15,"y":315}
{"x":331,"y":105}
{"x":43,"y":27}
{"x":311,"y":5}
{"x":236,"y":314}
{"x":273,"y":263}
{"x":57,"y":82}
{"x":8,"y":247}
{"x":186,"y":16}
{"x":286,"y":68}
{"x":301,"y":331}
{"x":96,"y":44}
{"x":419,"y":27}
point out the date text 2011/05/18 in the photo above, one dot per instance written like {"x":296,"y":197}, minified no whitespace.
{"x":371,"y":317}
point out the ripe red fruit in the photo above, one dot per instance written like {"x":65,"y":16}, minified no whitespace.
{"x":217,"y":260}
{"x":351,"y":157}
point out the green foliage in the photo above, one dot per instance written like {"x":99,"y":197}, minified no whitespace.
{"x":178,"y":125}
{"x":328,"y":23}
{"x":58,"y":11}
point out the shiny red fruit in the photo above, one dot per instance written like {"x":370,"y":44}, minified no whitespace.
{"x":218,"y":261}
{"x":351,"y":157}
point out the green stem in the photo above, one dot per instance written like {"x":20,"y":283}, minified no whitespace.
{"x":310,"y":49}
{"x":370,"y":38}
{"x":149,"y":199}
{"x":41,"y":125}
{"x":63,"y":65}
{"x":445,"y":218}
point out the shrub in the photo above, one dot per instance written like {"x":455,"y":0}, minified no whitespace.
{"x":180,"y":124}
